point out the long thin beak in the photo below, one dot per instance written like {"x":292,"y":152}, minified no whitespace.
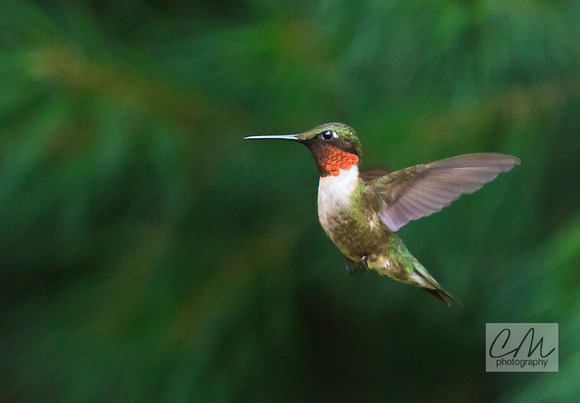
{"x":274,"y":137}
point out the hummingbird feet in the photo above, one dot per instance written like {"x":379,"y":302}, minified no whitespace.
{"x":353,"y":266}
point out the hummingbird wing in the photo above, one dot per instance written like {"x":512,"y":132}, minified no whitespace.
{"x":373,"y":173}
{"x":422,"y":190}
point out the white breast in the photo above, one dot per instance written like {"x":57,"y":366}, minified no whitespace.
{"x":334,"y":193}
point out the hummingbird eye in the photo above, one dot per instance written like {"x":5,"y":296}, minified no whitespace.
{"x":327,"y":135}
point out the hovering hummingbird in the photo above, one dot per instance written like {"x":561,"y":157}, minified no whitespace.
{"x":361,"y":212}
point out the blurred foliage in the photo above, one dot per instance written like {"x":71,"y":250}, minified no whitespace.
{"x":149,"y":254}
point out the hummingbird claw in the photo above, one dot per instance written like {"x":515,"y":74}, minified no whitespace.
{"x":353,"y":266}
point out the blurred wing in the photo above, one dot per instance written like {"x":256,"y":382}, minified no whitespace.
{"x":374,"y":173}
{"x":425,"y":189}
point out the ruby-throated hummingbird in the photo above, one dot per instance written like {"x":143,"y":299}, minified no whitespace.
{"x":361,"y":212}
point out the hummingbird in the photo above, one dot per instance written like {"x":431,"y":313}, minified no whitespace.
{"x":361,"y":212}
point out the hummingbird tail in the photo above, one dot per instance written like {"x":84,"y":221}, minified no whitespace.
{"x":400,"y":265}
{"x":430,"y":285}
{"x":443,"y":296}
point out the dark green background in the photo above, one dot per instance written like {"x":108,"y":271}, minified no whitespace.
{"x":148,"y":253}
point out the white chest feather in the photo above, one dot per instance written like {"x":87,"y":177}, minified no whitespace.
{"x":334,"y":193}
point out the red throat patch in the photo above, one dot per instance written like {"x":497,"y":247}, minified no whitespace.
{"x":331,"y":159}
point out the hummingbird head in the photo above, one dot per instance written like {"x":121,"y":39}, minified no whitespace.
{"x":334,"y":146}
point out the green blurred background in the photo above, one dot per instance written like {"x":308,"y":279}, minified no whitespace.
{"x":149,"y":254}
